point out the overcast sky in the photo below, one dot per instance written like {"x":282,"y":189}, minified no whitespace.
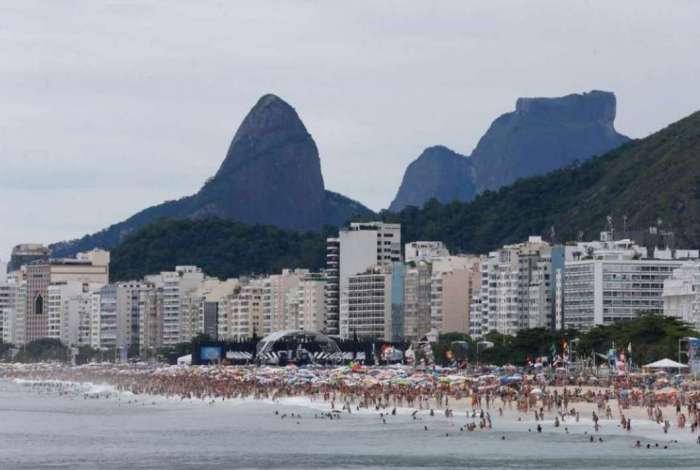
{"x":109,"y":107}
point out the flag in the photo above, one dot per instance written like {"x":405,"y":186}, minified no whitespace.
{"x":629,"y":348}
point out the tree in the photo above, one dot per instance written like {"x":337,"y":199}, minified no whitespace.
{"x":43,"y":349}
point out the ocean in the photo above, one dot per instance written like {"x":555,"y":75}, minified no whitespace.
{"x":45,"y":430}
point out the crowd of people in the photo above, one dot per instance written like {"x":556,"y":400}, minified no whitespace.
{"x":425,"y":391}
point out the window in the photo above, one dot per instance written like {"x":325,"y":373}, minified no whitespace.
{"x":39,"y":305}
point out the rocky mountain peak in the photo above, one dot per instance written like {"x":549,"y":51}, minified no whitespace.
{"x":271,"y":123}
{"x":594,"y":106}
{"x":437,"y":173}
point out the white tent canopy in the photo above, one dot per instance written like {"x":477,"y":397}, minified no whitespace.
{"x":665,"y":364}
{"x":184,"y":360}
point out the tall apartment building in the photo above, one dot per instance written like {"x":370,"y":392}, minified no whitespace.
{"x":11,"y":303}
{"x":516,"y":289}
{"x":454,"y":281}
{"x":111,"y":319}
{"x":89,"y":268}
{"x":175,"y":286}
{"x":359,"y":247}
{"x":70,"y":312}
{"x":241,"y":313}
{"x":332,"y":288}
{"x":277,"y":290}
{"x":416,"y":299}
{"x":367,"y":303}
{"x":204,"y":304}
{"x":681,"y":293}
{"x":611,"y":280}
{"x":150,"y":325}
{"x":134,"y":302}
{"x":306,"y":304}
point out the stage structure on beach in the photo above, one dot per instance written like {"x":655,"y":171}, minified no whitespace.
{"x":298,"y":346}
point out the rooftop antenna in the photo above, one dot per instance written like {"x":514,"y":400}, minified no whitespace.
{"x":611,"y":228}
{"x":624,"y":225}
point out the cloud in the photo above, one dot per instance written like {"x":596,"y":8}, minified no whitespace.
{"x":116,"y":101}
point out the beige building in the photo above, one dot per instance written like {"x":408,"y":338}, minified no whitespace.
{"x":88,"y":268}
{"x":306,"y":304}
{"x":454,"y":281}
{"x":241,"y":314}
{"x":277,"y":289}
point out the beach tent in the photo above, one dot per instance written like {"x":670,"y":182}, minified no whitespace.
{"x":184,"y":360}
{"x":665,"y":364}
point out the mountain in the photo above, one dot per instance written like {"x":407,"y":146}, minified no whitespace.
{"x":438,"y":173}
{"x":541,"y":135}
{"x":544,"y":134}
{"x":271,"y":175}
{"x":657,"y":177}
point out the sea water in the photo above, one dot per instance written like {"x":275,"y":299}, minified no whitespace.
{"x":122,"y":431}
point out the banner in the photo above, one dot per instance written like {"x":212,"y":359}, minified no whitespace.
{"x":694,"y":355}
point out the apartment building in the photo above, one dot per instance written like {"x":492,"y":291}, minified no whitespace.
{"x":611,"y":280}
{"x":359,"y":247}
{"x":454,"y":281}
{"x":175,"y":286}
{"x":88,"y":268}
{"x":681,"y":293}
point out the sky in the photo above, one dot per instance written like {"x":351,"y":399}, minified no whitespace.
{"x":107,"y":107}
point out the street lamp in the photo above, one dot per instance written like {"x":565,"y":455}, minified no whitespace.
{"x":482,"y":345}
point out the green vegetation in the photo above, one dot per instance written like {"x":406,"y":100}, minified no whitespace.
{"x":44,"y":349}
{"x":652,"y":337}
{"x":656,"y":177}
{"x":221,"y":248}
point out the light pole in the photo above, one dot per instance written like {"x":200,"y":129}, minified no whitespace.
{"x":479,"y":346}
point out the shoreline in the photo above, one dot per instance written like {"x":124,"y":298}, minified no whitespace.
{"x":483,"y":411}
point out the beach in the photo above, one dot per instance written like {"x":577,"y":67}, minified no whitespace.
{"x":402,"y":410}
{"x":65,"y":428}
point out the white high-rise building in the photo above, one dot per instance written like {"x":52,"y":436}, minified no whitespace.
{"x":360,"y":247}
{"x":135,"y":301}
{"x":614,"y":280}
{"x":111,"y":319}
{"x":176,"y":285}
{"x":515,"y":289}
{"x":70,"y":312}
{"x":11,"y":303}
{"x":309,"y":301}
{"x":366,"y":301}
{"x":241,"y":313}
{"x":277,"y":288}
{"x":681,"y":293}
